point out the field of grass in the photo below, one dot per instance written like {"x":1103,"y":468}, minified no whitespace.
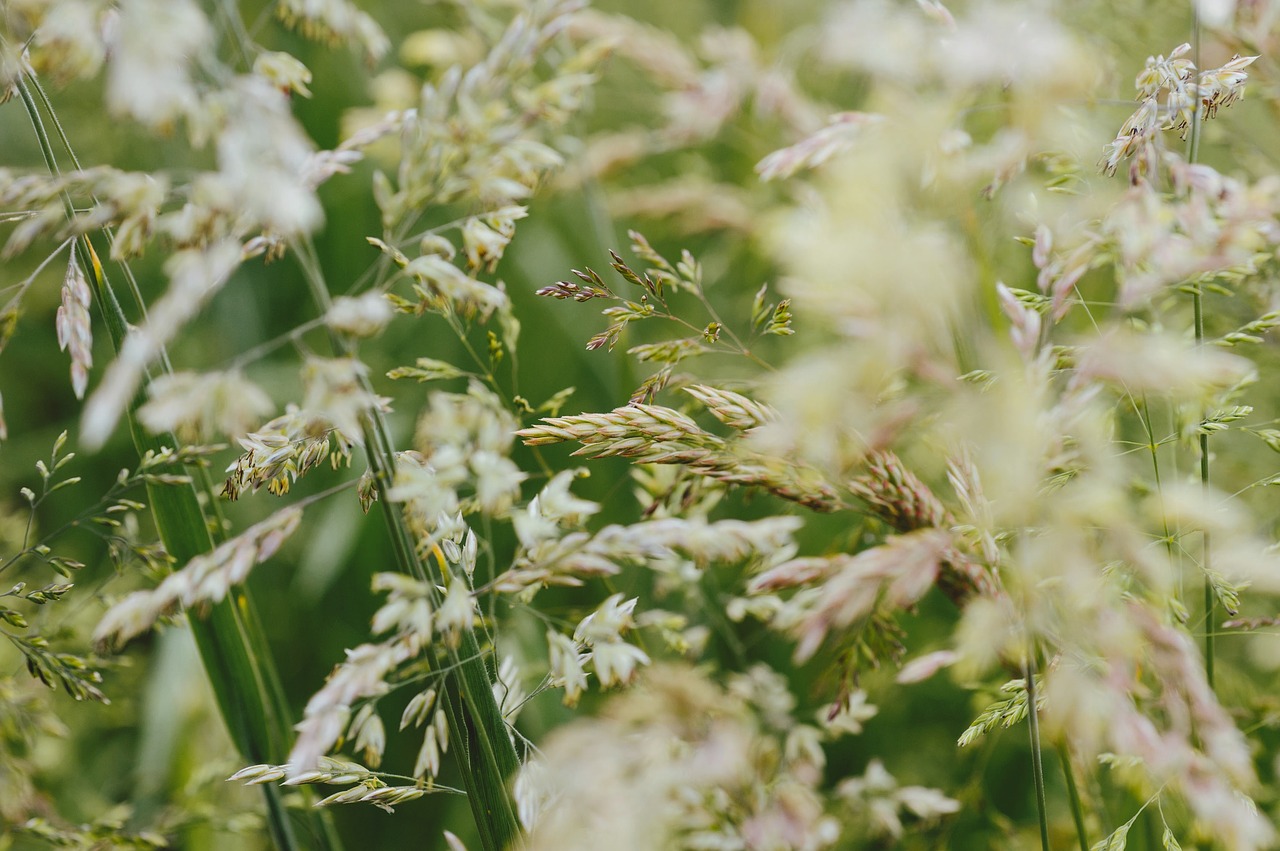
{"x":701,"y":424}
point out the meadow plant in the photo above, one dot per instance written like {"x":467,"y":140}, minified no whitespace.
{"x":963,"y":371}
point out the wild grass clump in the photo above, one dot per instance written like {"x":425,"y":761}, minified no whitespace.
{"x":898,"y":479}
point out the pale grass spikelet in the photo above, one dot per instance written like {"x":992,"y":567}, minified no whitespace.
{"x":899,"y":498}
{"x":894,"y":279}
{"x":993,"y":43}
{"x":457,"y":541}
{"x":532,"y":792}
{"x":284,"y":71}
{"x":848,"y":718}
{"x":263,"y":158}
{"x":623,"y":773}
{"x":1188,"y":95}
{"x":375,"y":130}
{"x":966,"y":482}
{"x":205,"y":579}
{"x":335,"y":21}
{"x":615,"y":661}
{"x":842,"y":132}
{"x":374,"y":792}
{"x":362,"y":675}
{"x":1060,"y":273}
{"x":566,"y":666}
{"x":201,"y":406}
{"x":451,"y":150}
{"x":732,"y":75}
{"x":558,"y":505}
{"x":440,"y":48}
{"x":153,"y":44}
{"x":254,"y":775}
{"x":548,"y":559}
{"x":418,"y":708}
{"x":69,"y":40}
{"x":1212,"y":224}
{"x":497,"y":481}
{"x":485,"y":238}
{"x":75,"y":333}
{"x":1137,"y":363}
{"x":322,"y":165}
{"x":106,"y":196}
{"x":695,"y":203}
{"x":655,"y":434}
{"x":457,"y":613}
{"x":426,"y":495}
{"x":923,"y":667}
{"x":15,"y":63}
{"x":466,"y":557}
{"x":462,"y":439}
{"x":194,"y":276}
{"x":134,"y":200}
{"x":333,"y":390}
{"x":896,"y":574}
{"x":1041,"y":246}
{"x":727,"y":540}
{"x":679,"y":761}
{"x":476,"y":421}
{"x":365,"y":786}
{"x":284,"y":449}
{"x":732,"y":409}
{"x":368,"y":735}
{"x":658,"y":424}
{"x":443,"y":280}
{"x":1024,"y":321}
{"x":877,"y":795}
{"x":408,"y":611}
{"x":658,"y":53}
{"x":362,"y":316}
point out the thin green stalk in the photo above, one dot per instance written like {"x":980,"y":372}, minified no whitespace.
{"x":1077,"y":811}
{"x":1193,"y":153}
{"x":237,"y":673}
{"x":1037,"y":761}
{"x":232,"y":647}
{"x":476,"y":727}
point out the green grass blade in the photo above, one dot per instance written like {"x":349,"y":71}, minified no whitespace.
{"x":230,"y":640}
{"x":477,"y":731}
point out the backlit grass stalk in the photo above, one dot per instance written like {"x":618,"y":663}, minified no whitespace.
{"x":1197,"y":296}
{"x":1073,"y":794}
{"x":232,"y":647}
{"x":476,"y":726}
{"x":1037,"y":760}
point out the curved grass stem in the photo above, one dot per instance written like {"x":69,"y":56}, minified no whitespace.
{"x":1037,"y":759}
{"x":1073,"y":794}
{"x":1193,"y":153}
